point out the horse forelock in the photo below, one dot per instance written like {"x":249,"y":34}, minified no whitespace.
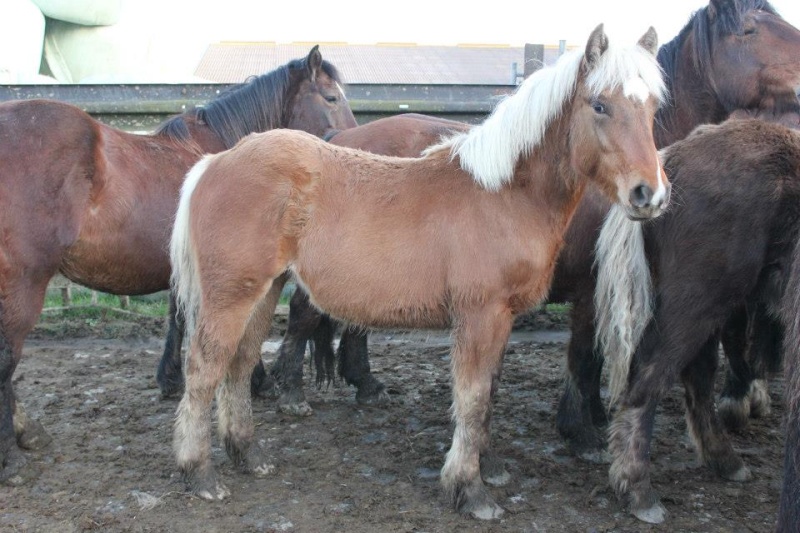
{"x":517,"y":126}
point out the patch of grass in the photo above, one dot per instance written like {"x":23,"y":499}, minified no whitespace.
{"x":82,"y":305}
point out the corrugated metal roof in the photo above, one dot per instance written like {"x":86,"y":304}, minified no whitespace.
{"x":234,"y":62}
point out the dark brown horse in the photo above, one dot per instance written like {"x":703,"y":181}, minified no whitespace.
{"x":96,"y":203}
{"x":726,"y":242}
{"x":789,"y":511}
{"x":732,"y":55}
{"x":463,"y":237}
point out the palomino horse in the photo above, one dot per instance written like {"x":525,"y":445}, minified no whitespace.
{"x":96,"y":203}
{"x":727,"y":241}
{"x":732,"y":55}
{"x":746,"y":35}
{"x":464,"y":237}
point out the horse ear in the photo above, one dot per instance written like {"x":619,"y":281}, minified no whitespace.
{"x":714,"y":7}
{"x":649,"y":41}
{"x":314,"y":62}
{"x":596,"y":46}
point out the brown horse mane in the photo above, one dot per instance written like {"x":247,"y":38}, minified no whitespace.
{"x":707,"y":25}
{"x":255,"y":105}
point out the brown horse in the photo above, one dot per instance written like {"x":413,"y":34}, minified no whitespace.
{"x":726,"y":242}
{"x":96,"y":203}
{"x":463,"y":237}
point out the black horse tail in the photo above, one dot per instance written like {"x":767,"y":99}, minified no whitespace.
{"x":789,"y":511}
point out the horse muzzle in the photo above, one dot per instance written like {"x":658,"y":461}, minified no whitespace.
{"x":645,"y":203}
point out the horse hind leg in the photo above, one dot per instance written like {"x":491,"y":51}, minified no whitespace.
{"x":581,"y":415}
{"x":212,"y":352}
{"x":734,"y":404}
{"x":354,"y":367}
{"x":234,"y":406}
{"x":477,"y":356}
{"x":713,"y":445}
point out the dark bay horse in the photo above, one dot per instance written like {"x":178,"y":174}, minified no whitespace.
{"x":732,"y":55}
{"x":96,"y":203}
{"x":385,"y":242}
{"x":727,"y":241}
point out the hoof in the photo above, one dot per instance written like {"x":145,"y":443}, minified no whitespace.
{"x":206,"y":486}
{"x":33,"y":436}
{"x":296,"y":409}
{"x":216,"y":493}
{"x":493,"y":471}
{"x":379,"y":399}
{"x":598,"y":457}
{"x":15,"y":469}
{"x":655,"y":514}
{"x":257,"y":463}
{"x":475,"y":501}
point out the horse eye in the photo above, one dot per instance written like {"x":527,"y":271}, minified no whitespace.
{"x":599,"y":108}
{"x":750,"y":31}
{"x":332,"y":99}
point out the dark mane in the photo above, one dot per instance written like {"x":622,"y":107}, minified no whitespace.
{"x":254,"y":106}
{"x":727,"y":19}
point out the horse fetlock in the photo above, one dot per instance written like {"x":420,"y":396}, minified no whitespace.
{"x":734,"y":413}
{"x":759,"y":399}
{"x":473,"y":499}
{"x":493,"y":470}
{"x":730,"y":466}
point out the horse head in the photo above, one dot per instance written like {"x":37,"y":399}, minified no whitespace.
{"x":317,"y":103}
{"x":611,"y":122}
{"x":753,"y":43}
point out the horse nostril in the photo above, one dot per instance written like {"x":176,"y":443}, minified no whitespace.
{"x":641,"y":195}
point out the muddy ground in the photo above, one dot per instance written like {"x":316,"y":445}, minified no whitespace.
{"x":346,"y":468}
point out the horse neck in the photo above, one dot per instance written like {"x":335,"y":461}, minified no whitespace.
{"x":548,"y":179}
{"x":201,"y":137}
{"x":692,"y":102}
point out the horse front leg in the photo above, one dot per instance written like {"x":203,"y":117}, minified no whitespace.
{"x":477,"y":356}
{"x":287,"y":371}
{"x":20,"y":307}
{"x":581,"y":416}
{"x":713,"y":445}
{"x":170,"y":369}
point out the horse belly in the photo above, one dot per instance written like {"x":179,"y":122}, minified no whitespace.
{"x":375,"y":290}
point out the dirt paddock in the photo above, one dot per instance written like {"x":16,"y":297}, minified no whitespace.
{"x":346,"y":468}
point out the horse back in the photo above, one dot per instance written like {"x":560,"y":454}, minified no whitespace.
{"x":405,"y":135}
